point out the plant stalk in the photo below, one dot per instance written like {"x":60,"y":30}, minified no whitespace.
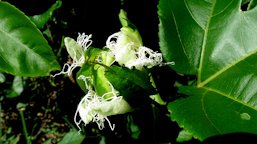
{"x":21,"y":107}
{"x":24,"y":127}
{"x":157,"y":96}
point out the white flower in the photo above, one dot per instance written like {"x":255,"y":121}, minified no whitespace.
{"x":76,"y":50}
{"x":146,"y":57}
{"x":128,"y":50}
{"x":94,"y":108}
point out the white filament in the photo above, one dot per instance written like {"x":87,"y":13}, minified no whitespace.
{"x":84,"y":41}
{"x":140,"y":56}
{"x":88,"y":108}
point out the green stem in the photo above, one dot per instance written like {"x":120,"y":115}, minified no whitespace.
{"x":1,"y":119}
{"x":157,"y":96}
{"x":24,"y":127}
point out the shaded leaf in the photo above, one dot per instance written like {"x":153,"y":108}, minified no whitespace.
{"x":17,"y":87}
{"x":23,"y":49}
{"x":252,"y":4}
{"x":217,"y":42}
{"x":42,"y":19}
{"x":72,"y":137}
{"x":2,"y":78}
{"x":133,"y":85}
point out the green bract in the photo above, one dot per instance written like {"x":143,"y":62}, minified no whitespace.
{"x":75,"y":50}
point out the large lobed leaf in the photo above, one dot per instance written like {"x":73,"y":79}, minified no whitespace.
{"x":23,"y":49}
{"x":216,"y":41}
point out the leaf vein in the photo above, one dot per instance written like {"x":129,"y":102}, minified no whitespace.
{"x":190,"y":12}
{"x":223,"y":9}
{"x":177,"y":29}
{"x":204,"y":44}
{"x":205,"y":113}
{"x":227,"y":96}
{"x":215,"y":75}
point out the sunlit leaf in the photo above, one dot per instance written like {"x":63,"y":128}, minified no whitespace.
{"x":101,"y":83}
{"x":184,"y":136}
{"x":217,"y":42}
{"x":23,"y":49}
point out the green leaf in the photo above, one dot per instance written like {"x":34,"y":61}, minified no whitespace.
{"x":184,"y":136}
{"x":207,"y":112}
{"x":252,"y":4}
{"x":23,"y":49}
{"x":2,"y":77}
{"x":91,"y":69}
{"x":217,"y":42}
{"x":101,"y":83}
{"x":92,"y":54}
{"x":42,"y":19}
{"x":72,"y":137}
{"x":133,"y":85}
{"x":87,"y":71}
{"x":17,"y":87}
